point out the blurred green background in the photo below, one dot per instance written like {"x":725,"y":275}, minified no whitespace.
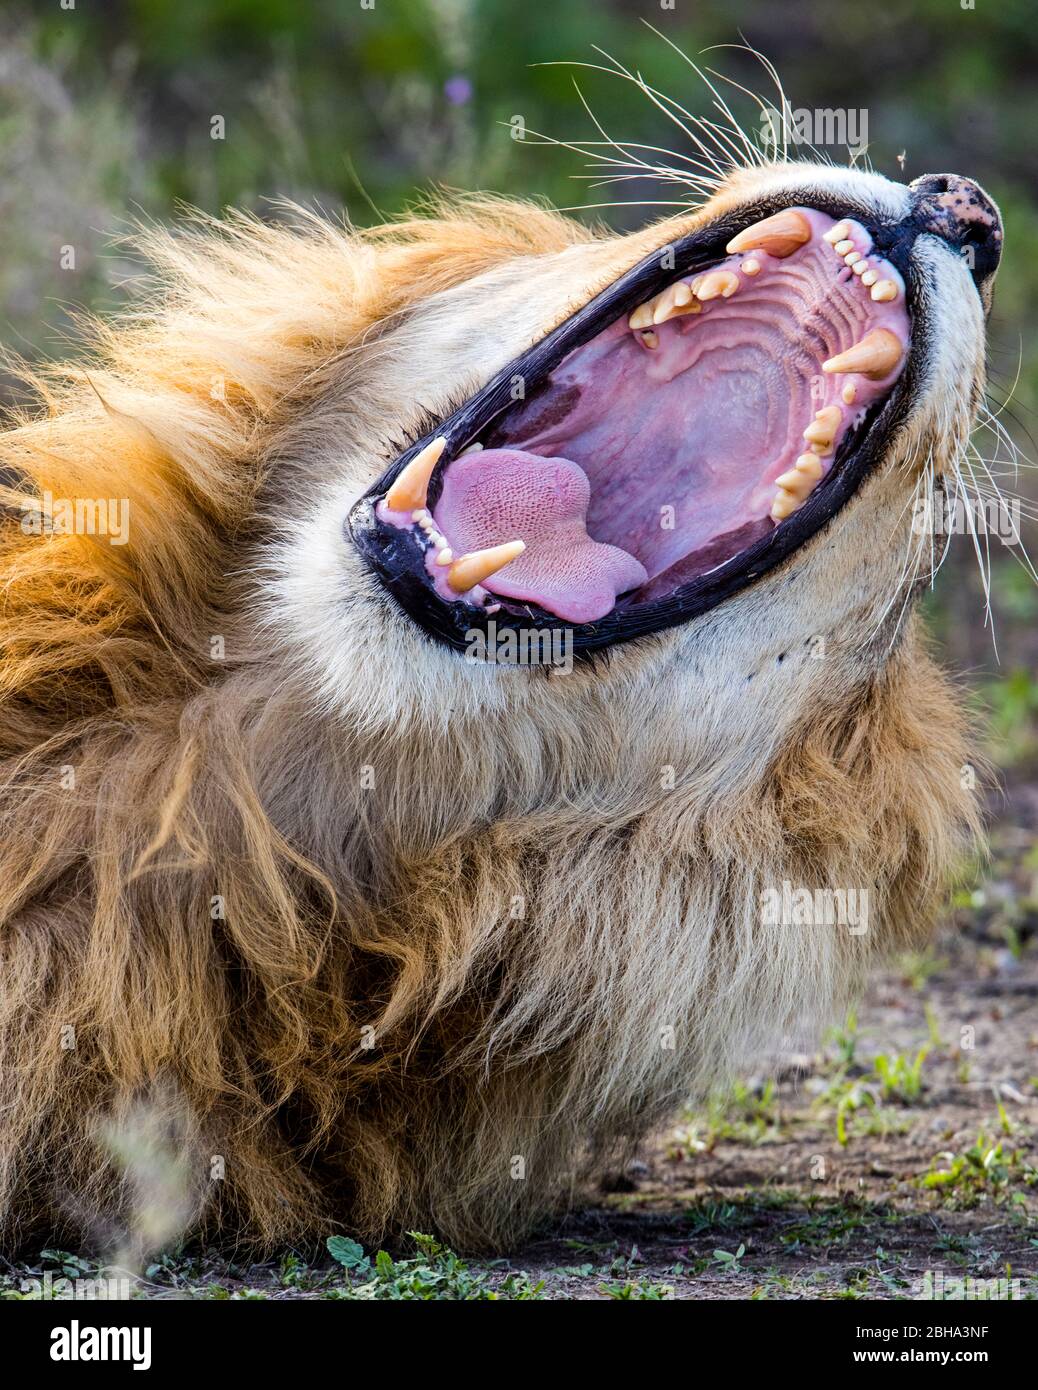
{"x":106,"y":112}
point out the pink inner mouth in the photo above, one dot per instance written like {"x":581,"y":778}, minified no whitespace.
{"x":648,"y":458}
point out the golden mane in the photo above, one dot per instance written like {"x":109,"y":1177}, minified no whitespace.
{"x":313,"y":1002}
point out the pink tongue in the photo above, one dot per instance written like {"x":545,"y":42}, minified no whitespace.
{"x":501,"y":495}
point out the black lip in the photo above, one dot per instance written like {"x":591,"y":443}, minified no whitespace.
{"x":399,"y":561}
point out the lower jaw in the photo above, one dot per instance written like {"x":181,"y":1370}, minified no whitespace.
{"x":650,"y":523}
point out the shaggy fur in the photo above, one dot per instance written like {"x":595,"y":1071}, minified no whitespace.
{"x":341,"y":931}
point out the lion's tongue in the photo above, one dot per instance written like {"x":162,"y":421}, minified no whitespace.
{"x":499,"y":495}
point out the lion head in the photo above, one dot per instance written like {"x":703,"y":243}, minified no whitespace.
{"x":505,"y":610}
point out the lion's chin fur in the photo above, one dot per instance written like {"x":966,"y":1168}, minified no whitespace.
{"x":268,"y":972}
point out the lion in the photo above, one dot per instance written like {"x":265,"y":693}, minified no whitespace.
{"x":322,"y":908}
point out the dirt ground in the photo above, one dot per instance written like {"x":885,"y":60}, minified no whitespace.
{"x":905,"y":1145}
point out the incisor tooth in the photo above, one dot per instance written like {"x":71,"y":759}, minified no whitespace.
{"x":823,"y":427}
{"x":869,"y":278}
{"x":860,"y":267}
{"x":886,"y":289}
{"x":408,"y":492}
{"x":798,"y":483}
{"x":716,"y":284}
{"x":473,"y":568}
{"x":875,"y":356}
{"x":445,"y":556}
{"x":838,"y":233}
{"x":842,"y":247}
{"x":849,"y":392}
{"x":641,"y":318}
{"x":675,"y":299}
{"x":779,"y":235}
{"x":785,"y":504}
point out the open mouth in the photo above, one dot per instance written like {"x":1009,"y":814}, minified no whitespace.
{"x":667,"y":445}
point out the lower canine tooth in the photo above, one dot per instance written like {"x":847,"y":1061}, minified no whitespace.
{"x":470,"y":570}
{"x":875,"y":356}
{"x":779,"y":235}
{"x":886,"y":289}
{"x":408,"y":492}
{"x":716,"y":284}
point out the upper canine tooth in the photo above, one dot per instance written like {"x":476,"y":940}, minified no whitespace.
{"x":875,"y":356}
{"x":779,"y":235}
{"x":478,"y":565}
{"x":641,"y":318}
{"x":409,"y":491}
{"x":716,"y":283}
{"x":886,"y":289}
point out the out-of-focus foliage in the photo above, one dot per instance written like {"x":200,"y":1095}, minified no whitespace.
{"x":107,"y":111}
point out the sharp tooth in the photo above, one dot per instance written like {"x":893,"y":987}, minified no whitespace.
{"x":641,"y":318}
{"x":842,"y":247}
{"x":886,"y":289}
{"x":875,"y":356}
{"x":808,"y":463}
{"x":408,"y":492}
{"x":869,"y":278}
{"x":716,"y":284}
{"x":473,"y":568}
{"x":822,"y":429}
{"x":750,"y":266}
{"x":779,"y":236}
{"x":840,"y":232}
{"x":472,"y":449}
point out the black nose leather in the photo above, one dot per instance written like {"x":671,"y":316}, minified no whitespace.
{"x":961,"y":213}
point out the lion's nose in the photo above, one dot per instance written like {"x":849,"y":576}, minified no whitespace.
{"x":961,"y":213}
